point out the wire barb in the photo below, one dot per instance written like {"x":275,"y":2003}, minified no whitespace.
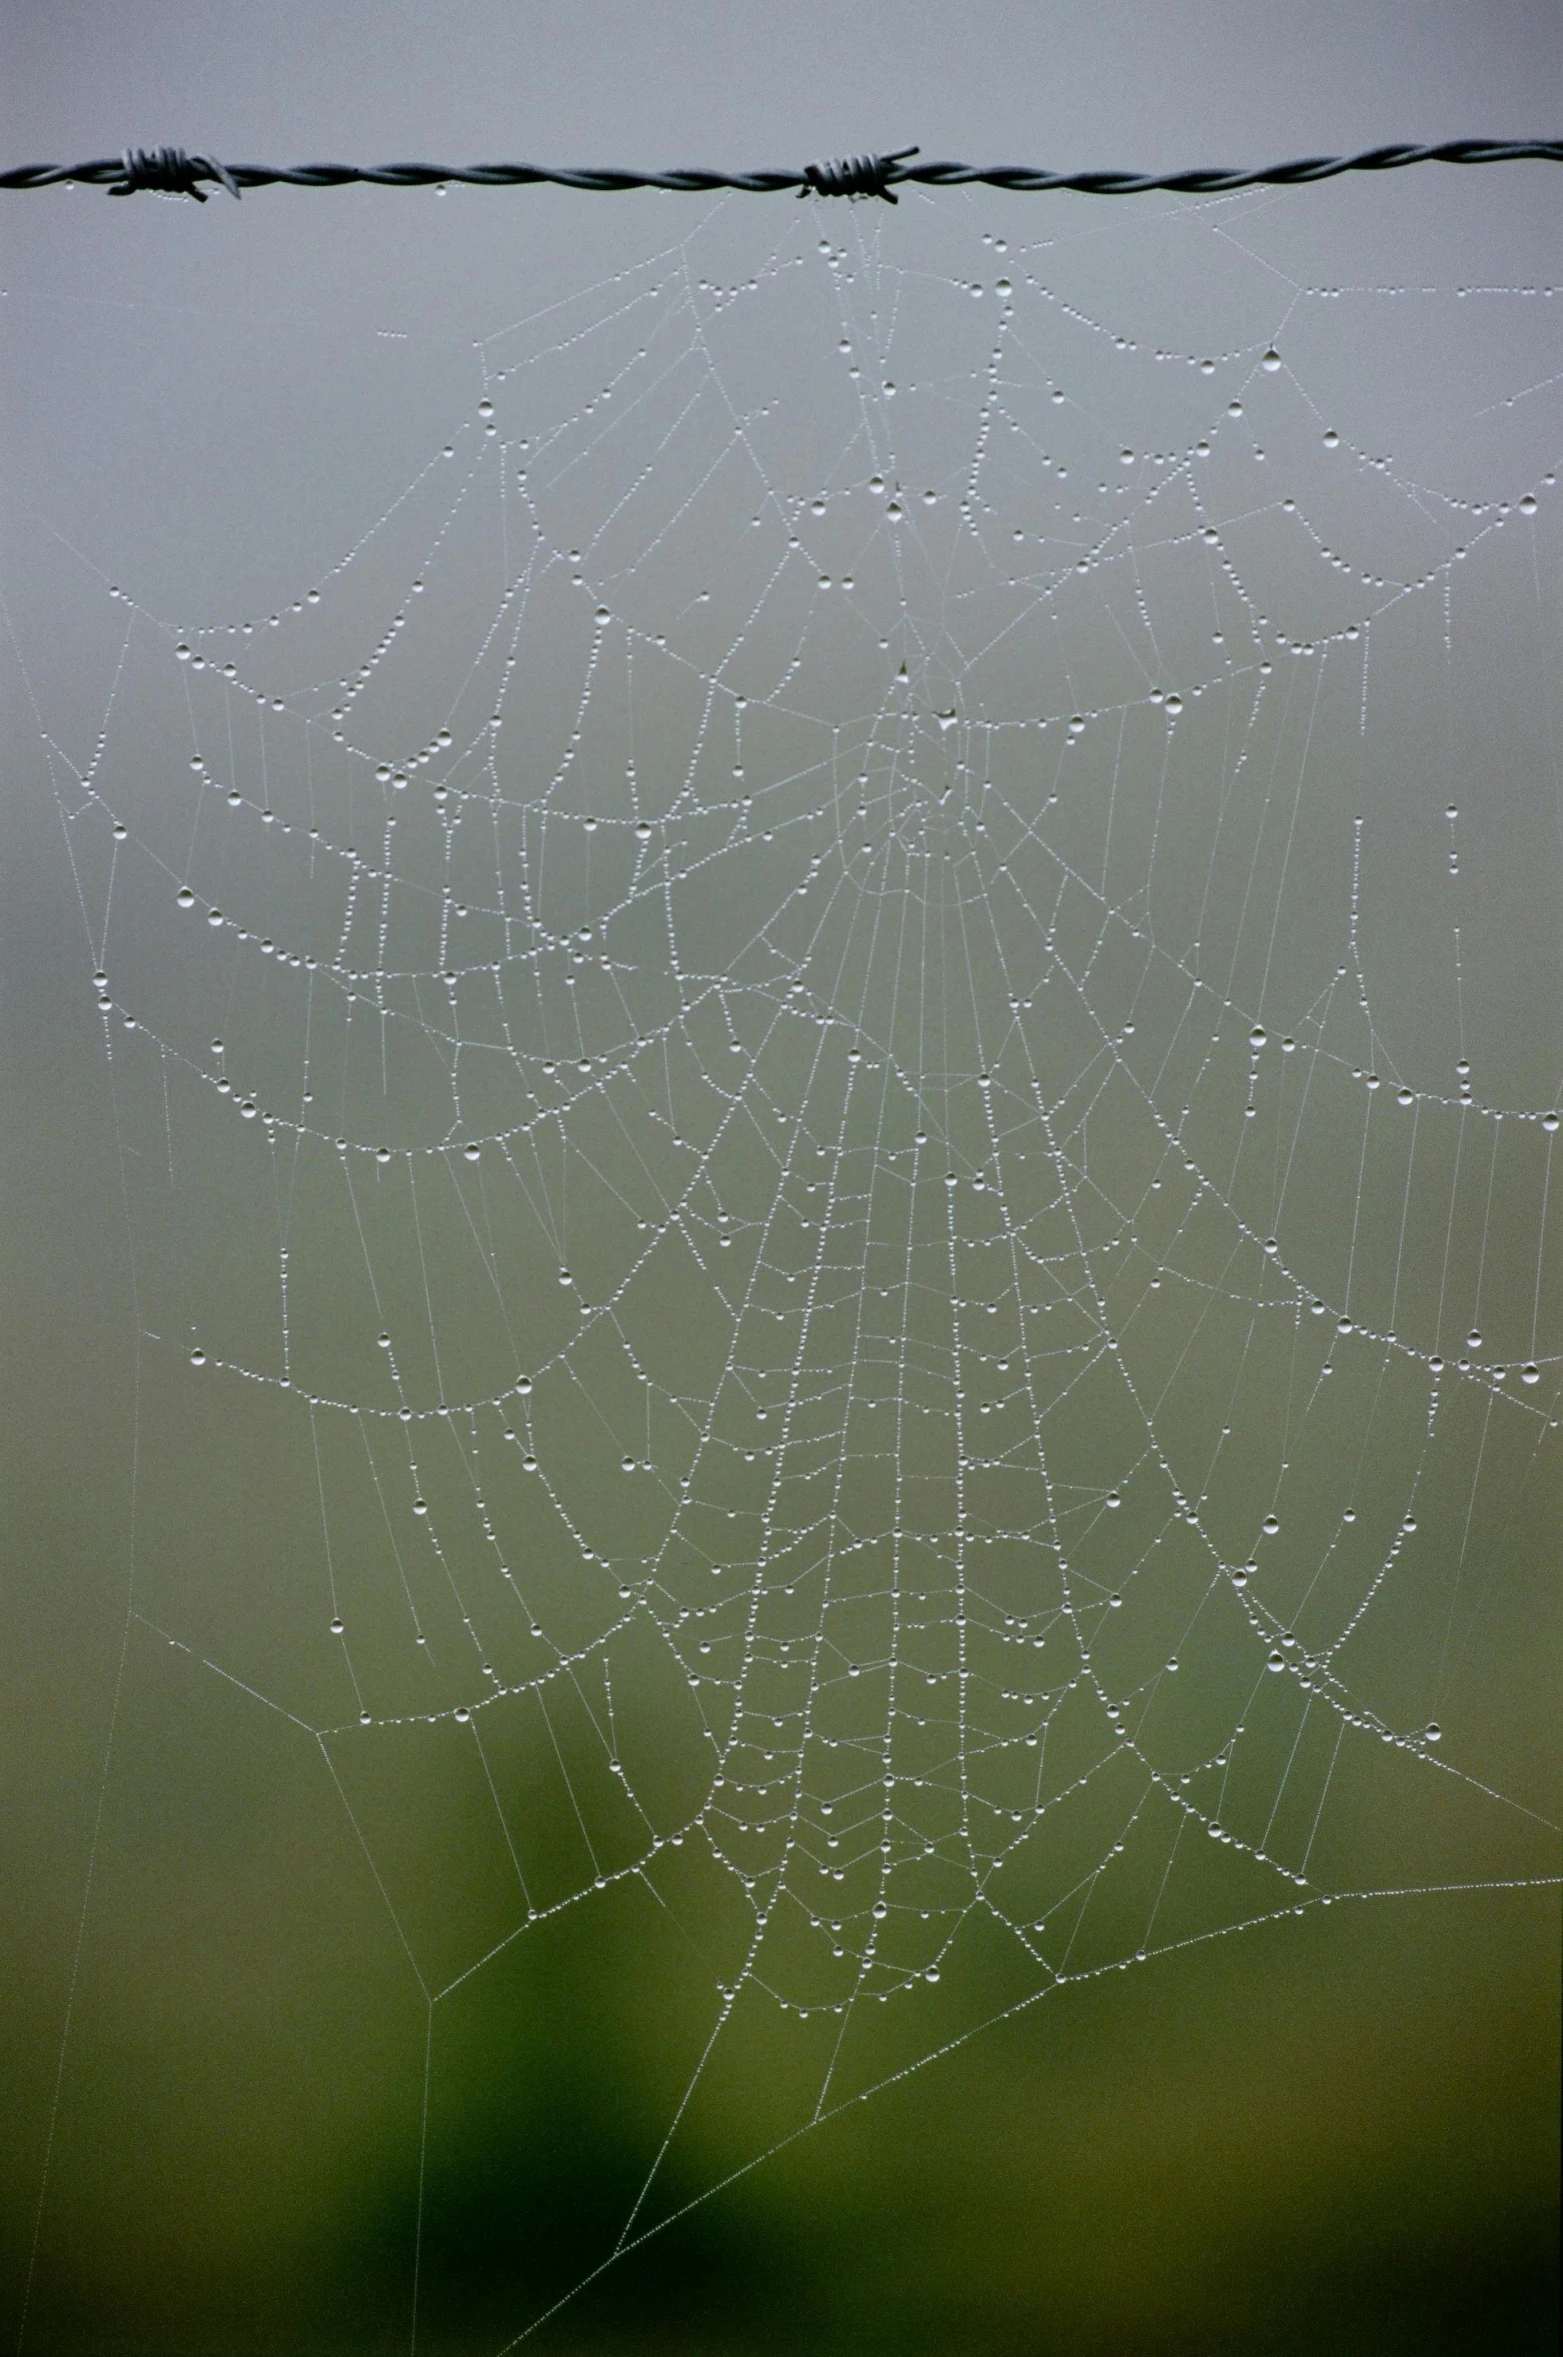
{"x":863,"y":175}
{"x":172,"y":171}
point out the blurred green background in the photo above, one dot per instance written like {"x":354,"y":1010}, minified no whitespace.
{"x":1337,"y":2132}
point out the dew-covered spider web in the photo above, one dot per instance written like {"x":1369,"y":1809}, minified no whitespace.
{"x":840,"y":1068}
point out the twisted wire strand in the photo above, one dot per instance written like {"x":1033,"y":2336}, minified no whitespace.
{"x":172,"y":171}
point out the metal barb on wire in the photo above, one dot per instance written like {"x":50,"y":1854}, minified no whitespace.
{"x":863,"y":175}
{"x":171,"y":171}
{"x":174,"y":172}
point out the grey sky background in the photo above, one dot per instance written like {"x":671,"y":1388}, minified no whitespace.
{"x":1158,"y":85}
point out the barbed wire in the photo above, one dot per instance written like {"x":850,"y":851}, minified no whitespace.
{"x":172,"y":171}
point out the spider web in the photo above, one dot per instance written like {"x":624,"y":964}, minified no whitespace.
{"x":848,"y":1052}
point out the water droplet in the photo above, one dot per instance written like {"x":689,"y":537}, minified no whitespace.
{"x":382,"y":1154}
{"x":1174,"y":705}
{"x":214,"y":916}
{"x":1432,"y":1732}
{"x":1530,"y":1372}
{"x":183,"y":652}
{"x":336,"y":1628}
{"x":1332,"y":440}
{"x":1404,"y":1097}
{"x":1271,"y":361}
{"x":1549,"y":1121}
{"x":485,"y":409}
{"x":1271,"y":1525}
{"x":1277,"y":1661}
{"x":187,"y":898}
{"x":197,"y":1358}
{"x":472,"y":1152}
{"x":1527,"y":505}
{"x":1113,"y":1499}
